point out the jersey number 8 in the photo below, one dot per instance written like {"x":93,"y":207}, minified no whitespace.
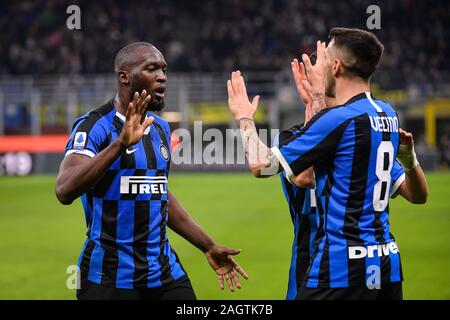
{"x":385,"y":161}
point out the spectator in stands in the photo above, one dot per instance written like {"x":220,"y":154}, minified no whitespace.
{"x":205,"y":35}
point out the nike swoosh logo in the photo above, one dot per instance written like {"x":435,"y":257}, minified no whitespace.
{"x":131,"y":151}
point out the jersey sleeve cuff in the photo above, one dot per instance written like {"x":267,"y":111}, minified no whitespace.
{"x":84,"y":152}
{"x":288,"y":179}
{"x":397,"y":184}
{"x":289,"y":174}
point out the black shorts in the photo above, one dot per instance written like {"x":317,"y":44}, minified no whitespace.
{"x":388,"y":291}
{"x":180,"y":289}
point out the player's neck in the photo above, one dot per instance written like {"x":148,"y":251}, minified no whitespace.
{"x":347,"y":88}
{"x":120,"y":104}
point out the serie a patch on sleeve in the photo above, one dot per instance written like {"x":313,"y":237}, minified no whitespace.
{"x":80,"y":140}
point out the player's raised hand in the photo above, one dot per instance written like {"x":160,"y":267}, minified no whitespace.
{"x":316,"y":73}
{"x":303,"y":86}
{"x":406,"y":139}
{"x":221,"y":260}
{"x":406,"y":154}
{"x":238,"y":102}
{"x":133,"y":128}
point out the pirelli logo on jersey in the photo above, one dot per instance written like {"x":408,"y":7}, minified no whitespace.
{"x":358,"y":252}
{"x":143,"y":185}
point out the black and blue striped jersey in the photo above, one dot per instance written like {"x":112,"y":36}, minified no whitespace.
{"x":353,"y":149}
{"x":127,"y":209}
{"x":302,"y":209}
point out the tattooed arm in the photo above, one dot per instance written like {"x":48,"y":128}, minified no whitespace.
{"x":260,"y":158}
{"x":262,"y":161}
{"x":319,"y":103}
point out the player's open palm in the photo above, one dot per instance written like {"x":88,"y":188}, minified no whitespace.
{"x":221,"y":260}
{"x":303,"y":86}
{"x":316,"y":73}
{"x":133,"y":128}
{"x":238,"y":102}
{"x":301,"y":82}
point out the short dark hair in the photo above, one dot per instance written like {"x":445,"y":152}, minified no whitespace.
{"x":363,"y":46}
{"x":126,"y":55}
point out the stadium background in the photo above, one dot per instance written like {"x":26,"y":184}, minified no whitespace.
{"x":49,"y":75}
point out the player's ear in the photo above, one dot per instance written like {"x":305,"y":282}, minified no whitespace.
{"x":337,"y":68}
{"x":124,"y":77}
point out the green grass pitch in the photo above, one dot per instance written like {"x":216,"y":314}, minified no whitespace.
{"x":39,"y":238}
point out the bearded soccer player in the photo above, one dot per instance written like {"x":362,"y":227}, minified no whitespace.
{"x":117,"y":160}
{"x":301,"y":199}
{"x":352,"y":147}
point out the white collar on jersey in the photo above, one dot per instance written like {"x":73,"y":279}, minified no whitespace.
{"x":122,"y":117}
{"x":369,"y":97}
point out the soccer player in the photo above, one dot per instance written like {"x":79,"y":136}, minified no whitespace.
{"x":301,"y":199}
{"x":302,"y":209}
{"x":352,"y":147}
{"x":117,"y":160}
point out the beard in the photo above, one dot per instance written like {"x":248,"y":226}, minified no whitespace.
{"x":330,"y":86}
{"x":155,"y":104}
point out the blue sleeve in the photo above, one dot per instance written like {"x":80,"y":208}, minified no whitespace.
{"x":397,"y":176}
{"x":315,"y":142}
{"x":88,"y":136}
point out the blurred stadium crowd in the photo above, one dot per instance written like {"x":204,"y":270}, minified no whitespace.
{"x":214,"y":35}
{"x":198,"y":37}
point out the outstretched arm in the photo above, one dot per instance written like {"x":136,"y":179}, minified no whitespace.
{"x":414,"y":188}
{"x":219,"y":257}
{"x":261,"y":160}
{"x":78,"y":173}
